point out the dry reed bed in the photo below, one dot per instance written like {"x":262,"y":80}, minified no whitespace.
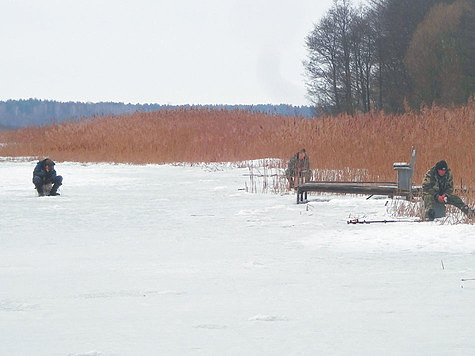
{"x":362,"y":147}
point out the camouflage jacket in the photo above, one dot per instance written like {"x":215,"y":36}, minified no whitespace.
{"x":434,"y":184}
{"x":297,"y":165}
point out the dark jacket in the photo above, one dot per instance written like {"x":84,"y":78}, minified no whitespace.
{"x":40,"y":171}
{"x":434,"y":184}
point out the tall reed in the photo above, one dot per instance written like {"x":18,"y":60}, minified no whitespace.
{"x":361,"y":147}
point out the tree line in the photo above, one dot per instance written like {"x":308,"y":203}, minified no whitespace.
{"x":391,"y":55}
{"x":35,"y":112}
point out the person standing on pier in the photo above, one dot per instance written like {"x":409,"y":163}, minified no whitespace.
{"x":298,"y":169}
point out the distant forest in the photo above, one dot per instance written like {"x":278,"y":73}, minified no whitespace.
{"x":392,"y":55}
{"x":33,"y":112}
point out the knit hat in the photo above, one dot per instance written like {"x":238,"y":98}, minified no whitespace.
{"x":49,"y":163}
{"x":441,"y":165}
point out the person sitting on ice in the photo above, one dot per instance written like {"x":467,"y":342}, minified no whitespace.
{"x":298,"y":168}
{"x":438,"y":187}
{"x":45,"y":178}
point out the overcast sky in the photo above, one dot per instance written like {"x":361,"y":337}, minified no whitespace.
{"x":155,"y":51}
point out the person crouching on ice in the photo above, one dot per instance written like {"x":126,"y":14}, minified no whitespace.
{"x":438,"y":186}
{"x":45,"y":174}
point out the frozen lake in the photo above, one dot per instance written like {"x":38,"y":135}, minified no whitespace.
{"x":180,"y":260}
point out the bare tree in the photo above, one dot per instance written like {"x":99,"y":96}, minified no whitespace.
{"x":343,"y":17}
{"x":364,"y":49}
{"x":322,"y":65}
{"x":329,"y":59}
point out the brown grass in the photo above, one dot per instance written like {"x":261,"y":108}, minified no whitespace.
{"x":404,"y":208}
{"x":362,"y":147}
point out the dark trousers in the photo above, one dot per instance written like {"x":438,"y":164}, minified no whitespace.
{"x":38,"y":182}
{"x":452,"y":199}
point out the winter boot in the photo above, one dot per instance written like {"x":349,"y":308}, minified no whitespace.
{"x":54,"y":191}
{"x":430,"y":214}
{"x":40,"y":191}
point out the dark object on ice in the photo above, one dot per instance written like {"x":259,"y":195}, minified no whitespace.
{"x":436,"y":211}
{"x":431,"y":214}
{"x":45,"y":179}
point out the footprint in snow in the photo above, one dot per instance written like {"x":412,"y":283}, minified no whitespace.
{"x":13,"y":306}
{"x":267,"y":318}
{"x":211,"y":327}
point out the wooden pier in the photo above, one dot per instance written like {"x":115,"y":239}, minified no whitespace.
{"x":390,"y":189}
{"x":403,"y":186}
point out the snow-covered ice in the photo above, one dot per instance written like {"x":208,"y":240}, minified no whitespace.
{"x":181,"y":260}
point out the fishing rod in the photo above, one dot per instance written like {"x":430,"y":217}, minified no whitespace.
{"x":358,"y":221}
